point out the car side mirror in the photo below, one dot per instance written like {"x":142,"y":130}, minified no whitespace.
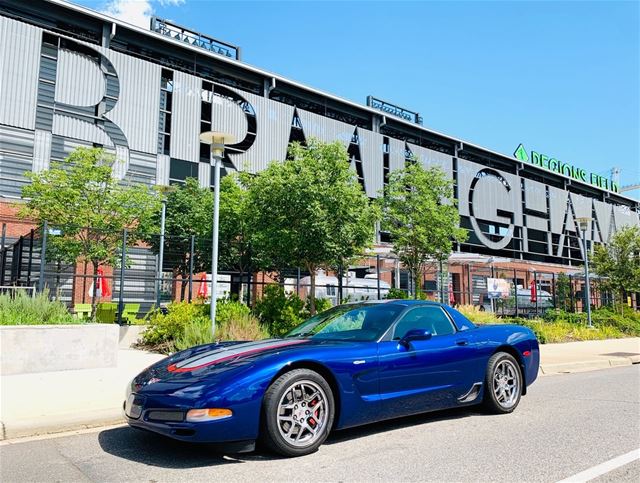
{"x":414,"y":334}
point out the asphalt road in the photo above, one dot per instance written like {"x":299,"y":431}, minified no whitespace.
{"x":565,"y":425}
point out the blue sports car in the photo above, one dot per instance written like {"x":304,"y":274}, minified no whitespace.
{"x":353,"y":364}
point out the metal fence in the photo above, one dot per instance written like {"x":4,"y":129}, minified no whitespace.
{"x":136,"y":279}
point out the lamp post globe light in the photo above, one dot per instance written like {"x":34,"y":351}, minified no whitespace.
{"x":583,"y":224}
{"x":217,"y":141}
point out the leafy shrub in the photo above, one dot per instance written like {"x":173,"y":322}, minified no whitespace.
{"x":197,"y":332}
{"x":321,"y":306}
{"x":627,"y":323}
{"x":279,"y":311}
{"x":243,"y":327}
{"x":187,"y":324}
{"x":166,"y":328}
{"x":477,"y":316}
{"x":22,"y":309}
{"x":396,"y":293}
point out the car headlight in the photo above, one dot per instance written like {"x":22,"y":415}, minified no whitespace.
{"x":199,"y":415}
{"x":130,"y":388}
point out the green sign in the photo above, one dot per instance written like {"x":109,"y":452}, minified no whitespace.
{"x":569,"y":170}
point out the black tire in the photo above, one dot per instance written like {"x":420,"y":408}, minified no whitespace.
{"x":285,"y":390}
{"x":500,"y":397}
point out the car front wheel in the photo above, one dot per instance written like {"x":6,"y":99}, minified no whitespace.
{"x":298,"y":412}
{"x":503,"y":384}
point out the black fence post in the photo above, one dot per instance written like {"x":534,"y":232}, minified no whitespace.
{"x":249,"y":276}
{"x":123,"y":259}
{"x":378,"y":275}
{"x":30,"y":262}
{"x":535,"y":284}
{"x":191,"y":254}
{"x":339,"y":284}
{"x":43,"y":256}
{"x":469,"y":287}
{"x":553,"y":290}
{"x":572,"y":307}
{"x":515,"y":290}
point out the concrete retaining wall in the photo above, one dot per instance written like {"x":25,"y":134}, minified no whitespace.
{"x":130,"y":334}
{"x":45,"y":348}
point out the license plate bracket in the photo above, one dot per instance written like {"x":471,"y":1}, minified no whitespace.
{"x":133,"y":406}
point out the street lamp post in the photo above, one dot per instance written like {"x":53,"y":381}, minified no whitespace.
{"x":217,"y":140}
{"x":161,"y":251}
{"x":584,"y":225}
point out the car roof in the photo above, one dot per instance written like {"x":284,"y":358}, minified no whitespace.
{"x":403,"y":302}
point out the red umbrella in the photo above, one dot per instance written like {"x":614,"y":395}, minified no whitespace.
{"x":102,"y":287}
{"x":452,"y":297}
{"x":203,"y":289}
{"x":534,"y":291}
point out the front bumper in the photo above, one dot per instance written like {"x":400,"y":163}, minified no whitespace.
{"x":170,"y":422}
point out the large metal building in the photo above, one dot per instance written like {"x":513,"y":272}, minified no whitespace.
{"x":70,"y":76}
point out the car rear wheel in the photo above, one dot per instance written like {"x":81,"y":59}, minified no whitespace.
{"x":298,"y":411}
{"x":503,"y":384}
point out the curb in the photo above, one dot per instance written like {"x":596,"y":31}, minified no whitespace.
{"x":584,"y":366}
{"x":43,"y":425}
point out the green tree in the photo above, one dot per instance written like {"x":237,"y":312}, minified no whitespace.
{"x":563,"y":291}
{"x":188,"y":212}
{"x":618,"y":262}
{"x":310,"y":211}
{"x":235,"y":234}
{"x":420,"y":213}
{"x":80,"y":197}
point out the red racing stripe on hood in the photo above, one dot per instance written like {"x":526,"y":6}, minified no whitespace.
{"x":175,"y":368}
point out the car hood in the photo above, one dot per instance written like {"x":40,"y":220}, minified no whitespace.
{"x":212,"y":360}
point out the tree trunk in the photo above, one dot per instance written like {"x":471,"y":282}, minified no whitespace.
{"x":94,"y":301}
{"x":418,"y":282}
{"x":183,"y":287}
{"x":312,"y":292}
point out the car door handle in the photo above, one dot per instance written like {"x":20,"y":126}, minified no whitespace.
{"x":462,"y":342}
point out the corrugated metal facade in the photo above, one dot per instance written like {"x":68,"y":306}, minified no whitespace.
{"x":142,"y":168}
{"x":136,"y":112}
{"x":227,"y":116}
{"x":162,"y":170}
{"x":204,"y":175}
{"x":19,"y":65}
{"x":274,"y":120}
{"x":603,"y":215}
{"x":79,"y":80}
{"x":428,"y":158}
{"x":41,"y":150}
{"x":489,"y":194}
{"x":185,"y":122}
{"x":373,"y":169}
{"x":72,"y":127}
{"x":396,"y":154}
{"x":16,"y":158}
{"x":324,"y":128}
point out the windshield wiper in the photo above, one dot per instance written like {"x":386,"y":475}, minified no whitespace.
{"x":303,"y":334}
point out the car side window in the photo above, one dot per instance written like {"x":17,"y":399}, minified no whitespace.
{"x":432,"y":319}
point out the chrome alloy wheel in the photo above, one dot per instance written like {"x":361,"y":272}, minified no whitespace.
{"x":302,"y":413}
{"x":506,"y":383}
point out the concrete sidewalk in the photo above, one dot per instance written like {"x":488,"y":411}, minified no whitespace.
{"x":35,"y":404}
{"x":588,"y":355}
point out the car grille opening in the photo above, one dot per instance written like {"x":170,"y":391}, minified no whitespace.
{"x":173,"y":416}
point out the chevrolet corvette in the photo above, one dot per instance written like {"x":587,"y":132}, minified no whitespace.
{"x":351,"y":365}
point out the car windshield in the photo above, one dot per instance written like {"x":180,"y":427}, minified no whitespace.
{"x":357,"y":322}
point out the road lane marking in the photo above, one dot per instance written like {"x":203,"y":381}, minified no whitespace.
{"x":603,"y":468}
